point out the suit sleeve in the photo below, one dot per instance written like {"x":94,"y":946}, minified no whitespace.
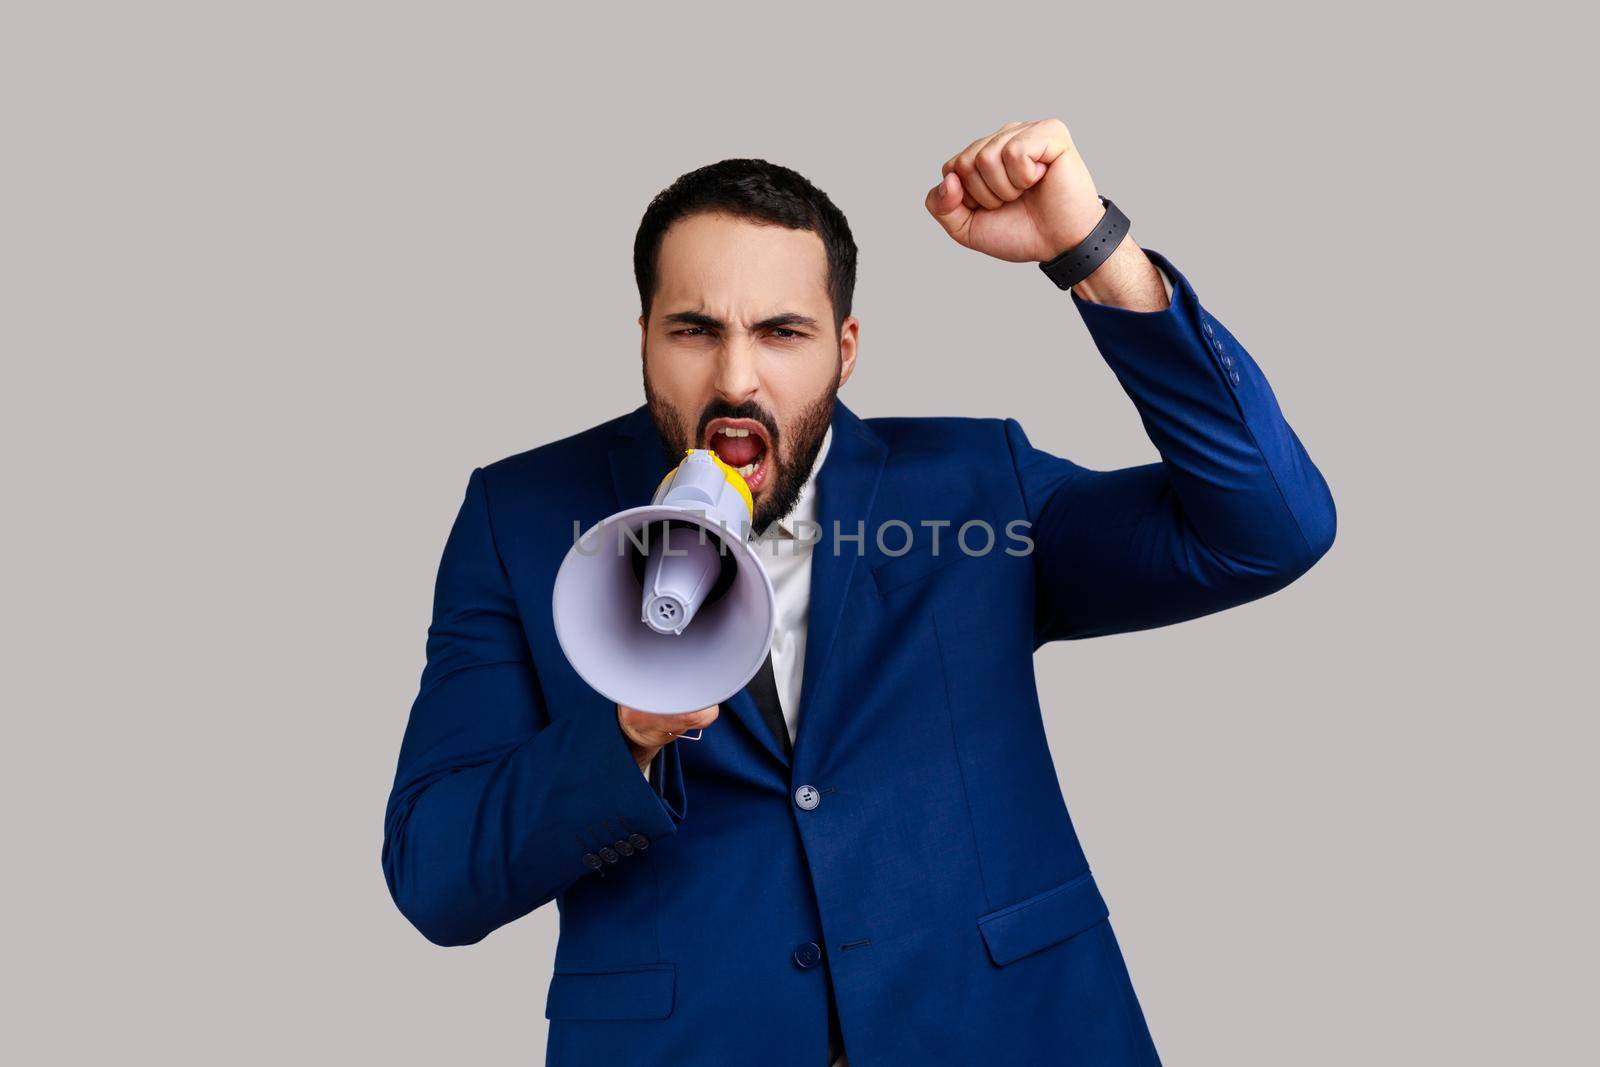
{"x":1234,"y":510}
{"x":498,"y":804}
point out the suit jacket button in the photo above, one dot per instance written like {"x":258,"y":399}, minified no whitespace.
{"x":639,"y":841}
{"x":591,"y":860}
{"x":609,"y":854}
{"x":807,"y":797}
{"x":808,"y":954}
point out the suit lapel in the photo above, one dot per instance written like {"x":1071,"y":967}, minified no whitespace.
{"x":846,"y":487}
{"x":743,"y":706}
{"x":638,"y":461}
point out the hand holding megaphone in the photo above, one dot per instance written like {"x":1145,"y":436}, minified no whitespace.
{"x":665,"y":609}
{"x":648,"y":732}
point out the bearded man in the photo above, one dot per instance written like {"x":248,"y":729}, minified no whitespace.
{"x":870,"y":861}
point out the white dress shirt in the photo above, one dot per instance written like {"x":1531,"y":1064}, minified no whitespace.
{"x":788,"y":563}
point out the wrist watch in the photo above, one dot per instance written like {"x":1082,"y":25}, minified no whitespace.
{"x":1084,"y":258}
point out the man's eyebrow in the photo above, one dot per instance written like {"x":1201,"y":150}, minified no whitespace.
{"x":771,"y":322}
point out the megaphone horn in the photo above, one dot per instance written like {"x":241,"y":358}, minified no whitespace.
{"x":666,"y":608}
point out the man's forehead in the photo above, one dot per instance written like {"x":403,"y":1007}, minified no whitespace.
{"x":740,"y":270}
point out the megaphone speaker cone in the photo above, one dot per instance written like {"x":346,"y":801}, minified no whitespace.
{"x":691,"y":626}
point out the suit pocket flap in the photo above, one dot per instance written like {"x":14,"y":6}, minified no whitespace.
{"x":634,"y":993}
{"x":1042,"y":919}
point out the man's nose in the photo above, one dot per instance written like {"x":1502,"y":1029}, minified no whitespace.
{"x":737,"y":378}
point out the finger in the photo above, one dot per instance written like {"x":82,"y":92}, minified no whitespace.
{"x":1038,"y":145}
{"x":951,"y":211}
{"x":991,"y":165}
{"x":966,"y":166}
{"x":653,"y":730}
{"x":669,"y":718}
{"x":967,"y":199}
{"x":671,"y":727}
{"x":990,"y":184}
{"x":697,"y":720}
{"x":1022,"y":171}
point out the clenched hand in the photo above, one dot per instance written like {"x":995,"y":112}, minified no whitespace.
{"x":1021,"y":193}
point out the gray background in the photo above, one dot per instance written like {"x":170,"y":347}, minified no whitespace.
{"x":277,"y":276}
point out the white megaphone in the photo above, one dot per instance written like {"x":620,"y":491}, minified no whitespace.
{"x":666,"y":608}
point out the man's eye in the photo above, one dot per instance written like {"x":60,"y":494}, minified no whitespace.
{"x":781,"y":332}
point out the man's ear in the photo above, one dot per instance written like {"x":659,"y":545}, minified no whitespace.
{"x":849,"y":338}
{"x":644,"y":335}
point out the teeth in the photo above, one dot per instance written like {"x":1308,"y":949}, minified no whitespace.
{"x":748,"y":469}
{"x":734,"y":431}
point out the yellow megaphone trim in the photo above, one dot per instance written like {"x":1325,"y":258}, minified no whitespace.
{"x":732,"y":474}
{"x":736,"y":480}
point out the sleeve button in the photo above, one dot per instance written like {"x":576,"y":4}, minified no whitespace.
{"x":591,"y":860}
{"x":639,"y":841}
{"x":609,"y":854}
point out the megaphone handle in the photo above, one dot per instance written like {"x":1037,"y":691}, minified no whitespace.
{"x":686,"y":737}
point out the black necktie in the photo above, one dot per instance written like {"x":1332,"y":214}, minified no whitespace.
{"x":764,"y":688}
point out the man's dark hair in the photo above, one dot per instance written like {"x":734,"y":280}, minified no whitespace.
{"x":761,"y":192}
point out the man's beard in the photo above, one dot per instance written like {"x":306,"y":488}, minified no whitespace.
{"x":808,"y":431}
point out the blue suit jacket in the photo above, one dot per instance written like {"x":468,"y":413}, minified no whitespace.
{"x":940,"y":874}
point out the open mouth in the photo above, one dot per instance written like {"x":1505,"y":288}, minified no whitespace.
{"x":743,"y":445}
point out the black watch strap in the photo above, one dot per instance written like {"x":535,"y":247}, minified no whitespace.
{"x":1084,"y":258}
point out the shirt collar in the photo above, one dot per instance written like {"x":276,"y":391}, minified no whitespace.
{"x":805,"y":506}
